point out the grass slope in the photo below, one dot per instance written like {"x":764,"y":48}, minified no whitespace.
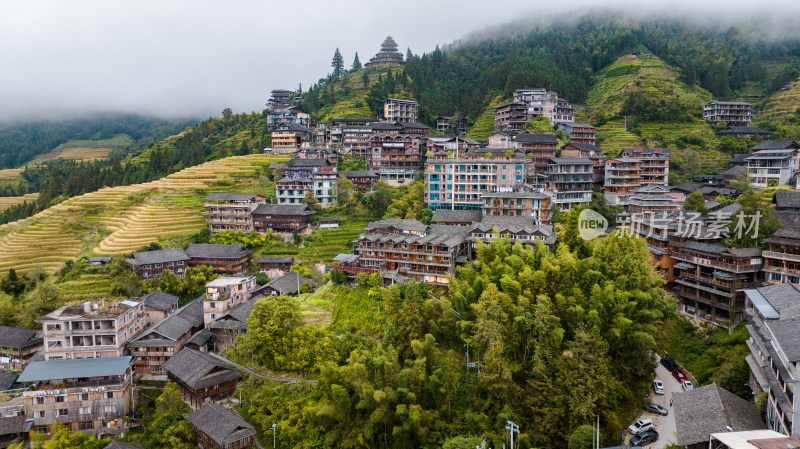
{"x":484,"y":124}
{"x":351,"y":95}
{"x":118,"y":220}
{"x":783,"y":108}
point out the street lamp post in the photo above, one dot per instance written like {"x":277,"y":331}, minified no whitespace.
{"x":274,"y":426}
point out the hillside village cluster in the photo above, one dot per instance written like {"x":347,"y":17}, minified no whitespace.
{"x":82,"y":368}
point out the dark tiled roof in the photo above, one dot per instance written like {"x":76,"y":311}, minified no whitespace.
{"x":297,"y":162}
{"x":399,"y":223}
{"x":639,"y":152}
{"x":328,"y":220}
{"x":740,"y":158}
{"x":75,"y":368}
{"x":100,"y":259}
{"x":287,"y":284}
{"x":236,"y":318}
{"x":583,"y":147}
{"x":775,"y":145}
{"x":515,"y":195}
{"x":7,"y":380}
{"x":548,"y":139}
{"x":199,"y":338}
{"x":18,"y":338}
{"x":386,"y":126}
{"x":172,"y":328}
{"x":414,"y":125}
{"x":790,"y":199}
{"x":231,"y":197}
{"x":159,"y":300}
{"x":571,"y":161}
{"x":278,"y":259}
{"x":787,"y":218}
{"x":735,"y":170}
{"x":687,"y":187}
{"x":283,"y":209}
{"x":711,"y":409}
{"x":295,"y":127}
{"x":158,"y":256}
{"x":221,"y":425}
{"x":12,"y":425}
{"x":359,"y":174}
{"x":445,"y":216}
{"x":199,"y":370}
{"x":210,"y":250}
{"x":742,"y":130}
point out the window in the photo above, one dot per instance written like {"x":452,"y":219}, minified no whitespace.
{"x":60,"y":398}
{"x":109,"y":395}
{"x":84,"y":396}
{"x":63,"y":412}
{"x":87,"y":425}
{"x":85,"y":410}
{"x":41,"y":414}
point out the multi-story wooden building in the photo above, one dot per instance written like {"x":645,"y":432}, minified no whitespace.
{"x":18,"y":346}
{"x":412,"y":249}
{"x":622,"y":176}
{"x":400,"y":110}
{"x":395,"y":155}
{"x":224,"y":293}
{"x":226,"y":328}
{"x":570,"y":180}
{"x":753,"y":132}
{"x":150,"y":264}
{"x":218,"y":427}
{"x":460,"y":183}
{"x":363,"y":179}
{"x":539,"y":148}
{"x":316,"y":175}
{"x":579,"y":132}
{"x":287,"y":137}
{"x":590,"y":151}
{"x":732,"y":113}
{"x":274,"y":267}
{"x":510,"y":116}
{"x":652,"y":199}
{"x":534,"y":205}
{"x":456,"y":217}
{"x":782,"y":260}
{"x":544,"y":103}
{"x":515,"y":229}
{"x":227,"y":260}
{"x":712,"y":280}
{"x":201,"y":377}
{"x":91,"y":329}
{"x":772,"y":316}
{"x":156,"y":344}
{"x":91,"y":396}
{"x":230,"y":211}
{"x":283,"y":218}
{"x":654,"y":164}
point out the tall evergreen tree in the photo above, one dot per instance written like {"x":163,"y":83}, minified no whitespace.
{"x":356,"y":63}
{"x":337,"y":64}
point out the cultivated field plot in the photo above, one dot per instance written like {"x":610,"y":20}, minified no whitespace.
{"x":10,"y":173}
{"x":8,"y":201}
{"x":83,"y":154}
{"x":121,"y":219}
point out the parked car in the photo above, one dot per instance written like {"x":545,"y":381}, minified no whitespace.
{"x":644,"y":438}
{"x":687,"y":385}
{"x":655,"y":408}
{"x":679,"y":375}
{"x":669,"y":364}
{"x":658,"y":387}
{"x":641,"y":425}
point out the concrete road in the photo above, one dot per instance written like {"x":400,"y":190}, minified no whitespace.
{"x":665,"y":425}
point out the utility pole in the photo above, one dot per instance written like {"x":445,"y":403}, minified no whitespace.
{"x":466,"y":346}
{"x":512,"y":429}
{"x":274,"y":426}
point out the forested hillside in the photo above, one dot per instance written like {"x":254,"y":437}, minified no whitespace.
{"x":465,"y":78}
{"x":22,"y":142}
{"x":211,"y":139}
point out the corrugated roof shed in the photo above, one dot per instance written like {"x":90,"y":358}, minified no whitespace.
{"x":75,"y":368}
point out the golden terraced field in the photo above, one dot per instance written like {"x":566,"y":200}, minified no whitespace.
{"x":8,"y":201}
{"x":116,"y":221}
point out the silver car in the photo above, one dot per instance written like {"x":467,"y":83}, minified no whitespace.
{"x":658,"y":386}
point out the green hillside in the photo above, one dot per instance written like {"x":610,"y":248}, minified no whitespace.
{"x":782,"y":109}
{"x":484,"y":124}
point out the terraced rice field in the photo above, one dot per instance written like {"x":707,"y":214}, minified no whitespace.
{"x":10,"y":173}
{"x":121,"y":219}
{"x":8,"y":201}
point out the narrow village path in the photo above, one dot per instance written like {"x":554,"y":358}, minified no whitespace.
{"x":286,"y":380}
